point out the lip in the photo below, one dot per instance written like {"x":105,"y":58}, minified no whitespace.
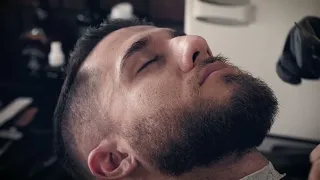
{"x":210,"y":68}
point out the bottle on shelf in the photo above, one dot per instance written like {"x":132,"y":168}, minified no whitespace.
{"x":35,"y":42}
{"x":56,"y":56}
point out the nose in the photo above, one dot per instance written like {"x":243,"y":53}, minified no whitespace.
{"x":192,"y":50}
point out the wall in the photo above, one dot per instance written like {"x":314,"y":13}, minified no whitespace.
{"x":257,"y":47}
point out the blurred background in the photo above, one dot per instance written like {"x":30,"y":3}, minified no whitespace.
{"x":36,"y":37}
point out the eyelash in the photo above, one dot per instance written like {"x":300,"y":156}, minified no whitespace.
{"x":148,"y":63}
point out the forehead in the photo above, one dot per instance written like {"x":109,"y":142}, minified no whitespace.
{"x":112,"y":45}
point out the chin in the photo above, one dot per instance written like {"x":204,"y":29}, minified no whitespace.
{"x":219,"y":91}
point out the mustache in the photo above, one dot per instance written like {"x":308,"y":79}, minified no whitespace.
{"x":212,"y":59}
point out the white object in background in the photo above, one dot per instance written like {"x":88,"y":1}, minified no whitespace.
{"x":12,"y":134}
{"x":223,"y":15}
{"x":8,"y":112}
{"x":56,"y":56}
{"x":122,"y":11}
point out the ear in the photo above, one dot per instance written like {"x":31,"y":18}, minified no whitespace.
{"x":107,"y":162}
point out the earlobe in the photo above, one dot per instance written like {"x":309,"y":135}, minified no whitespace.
{"x":107,"y":163}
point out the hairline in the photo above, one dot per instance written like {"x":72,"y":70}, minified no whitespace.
{"x":85,"y":46}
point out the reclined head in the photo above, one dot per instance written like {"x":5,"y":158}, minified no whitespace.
{"x":140,"y":100}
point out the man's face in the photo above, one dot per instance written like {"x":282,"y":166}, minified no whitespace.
{"x":177,"y":105}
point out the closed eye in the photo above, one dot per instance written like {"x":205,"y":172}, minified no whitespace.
{"x":147,"y":64}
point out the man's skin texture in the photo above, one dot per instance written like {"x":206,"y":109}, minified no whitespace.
{"x":151,"y":103}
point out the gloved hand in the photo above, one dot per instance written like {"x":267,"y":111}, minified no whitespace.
{"x":315,"y":160}
{"x":301,"y":53}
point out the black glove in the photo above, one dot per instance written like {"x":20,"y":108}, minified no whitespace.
{"x":301,"y":53}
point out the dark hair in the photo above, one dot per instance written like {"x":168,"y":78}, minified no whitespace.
{"x":75,"y":84}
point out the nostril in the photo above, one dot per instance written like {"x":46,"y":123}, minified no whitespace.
{"x":195,"y":55}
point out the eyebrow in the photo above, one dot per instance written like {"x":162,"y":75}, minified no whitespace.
{"x":134,"y":48}
{"x":141,"y":44}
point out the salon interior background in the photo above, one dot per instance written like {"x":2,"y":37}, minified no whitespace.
{"x":30,"y":82}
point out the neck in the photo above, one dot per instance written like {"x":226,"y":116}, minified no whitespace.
{"x":230,"y":168}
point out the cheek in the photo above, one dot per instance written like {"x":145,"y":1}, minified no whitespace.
{"x":153,"y":94}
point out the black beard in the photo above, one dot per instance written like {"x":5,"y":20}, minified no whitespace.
{"x":206,"y":132}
